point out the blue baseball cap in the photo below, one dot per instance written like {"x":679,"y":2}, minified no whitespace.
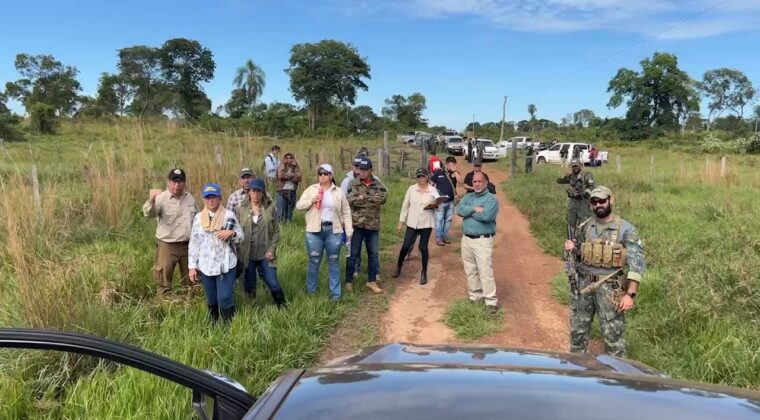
{"x":256,"y":184}
{"x":209,"y":190}
{"x":364,"y":163}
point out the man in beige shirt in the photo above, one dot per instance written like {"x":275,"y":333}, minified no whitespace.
{"x":175,"y":209}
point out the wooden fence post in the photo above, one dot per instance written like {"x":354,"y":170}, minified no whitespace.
{"x":723,"y":167}
{"x":618,"y":164}
{"x":36,"y":188}
{"x":342,"y":158}
{"x":402,"y":161}
{"x":218,"y":153}
{"x":308,"y":158}
{"x":651,"y":167}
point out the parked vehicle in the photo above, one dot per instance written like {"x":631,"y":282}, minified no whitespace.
{"x":407,"y":381}
{"x":416,"y":138}
{"x":554,"y":153}
{"x":490,"y":151}
{"x":505,"y":146}
{"x":454,"y":144}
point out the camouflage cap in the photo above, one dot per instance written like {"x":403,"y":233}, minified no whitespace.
{"x":576,"y":162}
{"x":601,"y":193}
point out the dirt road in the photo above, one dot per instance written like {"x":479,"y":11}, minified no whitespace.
{"x":523,"y":274}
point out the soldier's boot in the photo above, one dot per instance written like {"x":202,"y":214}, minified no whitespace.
{"x":213,"y":311}
{"x":279,"y":299}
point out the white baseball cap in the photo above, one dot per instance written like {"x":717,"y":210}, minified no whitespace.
{"x":326,"y":167}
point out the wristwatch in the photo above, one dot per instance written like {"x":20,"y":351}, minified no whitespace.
{"x":631,"y":294}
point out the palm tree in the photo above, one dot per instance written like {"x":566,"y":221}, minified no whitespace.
{"x":250,"y":79}
{"x":532,"y":111}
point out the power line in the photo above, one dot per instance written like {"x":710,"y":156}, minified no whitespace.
{"x":643,"y":41}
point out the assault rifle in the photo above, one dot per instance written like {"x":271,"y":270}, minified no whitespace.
{"x":572,"y":274}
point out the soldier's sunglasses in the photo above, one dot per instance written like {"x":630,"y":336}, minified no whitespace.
{"x":598,"y":202}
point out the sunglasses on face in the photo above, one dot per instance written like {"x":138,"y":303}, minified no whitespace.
{"x":598,"y":202}
{"x":421,"y":176}
{"x":323,"y":173}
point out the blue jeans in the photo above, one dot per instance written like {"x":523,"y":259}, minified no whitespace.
{"x":372,"y":240}
{"x":265,"y":271}
{"x":286,"y":202}
{"x":316,"y":244}
{"x":443,"y":217}
{"x":219,"y":288}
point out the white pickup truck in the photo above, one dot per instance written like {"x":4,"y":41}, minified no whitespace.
{"x":554,"y":153}
{"x":414,"y":137}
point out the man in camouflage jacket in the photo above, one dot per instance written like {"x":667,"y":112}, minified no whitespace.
{"x":580,"y":185}
{"x":610,"y":265}
{"x":366,"y":196}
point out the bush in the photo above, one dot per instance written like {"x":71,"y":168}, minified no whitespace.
{"x":43,"y":118}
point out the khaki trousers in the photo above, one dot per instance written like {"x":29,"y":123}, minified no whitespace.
{"x":168,"y":255}
{"x":477,"y":260}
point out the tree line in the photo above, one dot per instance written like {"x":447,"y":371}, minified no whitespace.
{"x":325,"y":78}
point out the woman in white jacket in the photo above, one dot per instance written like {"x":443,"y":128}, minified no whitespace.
{"x":210,"y":254}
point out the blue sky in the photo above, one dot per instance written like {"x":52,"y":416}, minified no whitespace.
{"x":463,"y":55}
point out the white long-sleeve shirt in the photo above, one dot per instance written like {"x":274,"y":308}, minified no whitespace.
{"x":209,"y":254}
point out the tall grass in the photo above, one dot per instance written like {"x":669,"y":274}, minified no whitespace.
{"x":82,"y":262}
{"x":699,"y":305}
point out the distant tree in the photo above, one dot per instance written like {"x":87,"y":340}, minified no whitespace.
{"x":583,"y":117}
{"x":45,"y":81}
{"x":185,"y":65}
{"x":532,"y":111}
{"x":113,"y":94}
{"x":9,"y":123}
{"x":406,"y":110}
{"x":250,"y":80}
{"x":140,"y":69}
{"x":524,"y":126}
{"x":364,"y":118}
{"x":726,"y":89}
{"x":694,"y":121}
{"x":657,"y":97}
{"x":239,"y":104}
{"x":326,"y":73}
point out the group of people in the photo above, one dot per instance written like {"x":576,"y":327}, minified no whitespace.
{"x":214,"y":245}
{"x":608,"y":257}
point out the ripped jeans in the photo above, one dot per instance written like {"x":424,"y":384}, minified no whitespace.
{"x":316,"y":244}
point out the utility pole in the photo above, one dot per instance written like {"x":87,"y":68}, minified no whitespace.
{"x":503,"y":116}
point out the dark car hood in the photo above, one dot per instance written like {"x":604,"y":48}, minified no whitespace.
{"x":445,"y":382}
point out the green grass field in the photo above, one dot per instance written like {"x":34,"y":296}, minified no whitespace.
{"x":697,"y":314}
{"x":82,"y":262}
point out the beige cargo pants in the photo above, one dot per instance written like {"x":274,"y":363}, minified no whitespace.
{"x":478,"y":267}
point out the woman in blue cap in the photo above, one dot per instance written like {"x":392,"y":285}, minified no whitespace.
{"x":210,"y":254}
{"x":258,"y":252}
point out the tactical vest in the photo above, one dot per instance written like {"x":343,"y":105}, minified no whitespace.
{"x":605,"y":254}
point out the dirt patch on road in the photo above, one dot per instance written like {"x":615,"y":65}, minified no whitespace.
{"x":523,"y":272}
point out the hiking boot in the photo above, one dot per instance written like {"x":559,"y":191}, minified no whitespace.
{"x":349,"y":287}
{"x":374,"y":287}
{"x":492,"y":310}
{"x":213,"y":311}
{"x":439,"y":242}
{"x":227,"y":313}
{"x":279,"y":299}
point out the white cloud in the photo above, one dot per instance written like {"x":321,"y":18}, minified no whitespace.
{"x":646,"y":17}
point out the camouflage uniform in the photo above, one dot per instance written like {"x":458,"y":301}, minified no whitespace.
{"x":578,"y":207}
{"x":366,"y":203}
{"x":603,"y":300}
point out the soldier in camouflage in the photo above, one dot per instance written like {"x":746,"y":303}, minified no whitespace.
{"x":580,"y":185}
{"x":366,"y":196}
{"x":610,"y":263}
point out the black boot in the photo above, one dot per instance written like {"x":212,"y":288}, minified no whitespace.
{"x":397,"y":272}
{"x":279,"y":299}
{"x":213,"y":311}
{"x":423,"y":277}
{"x":227,"y":313}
